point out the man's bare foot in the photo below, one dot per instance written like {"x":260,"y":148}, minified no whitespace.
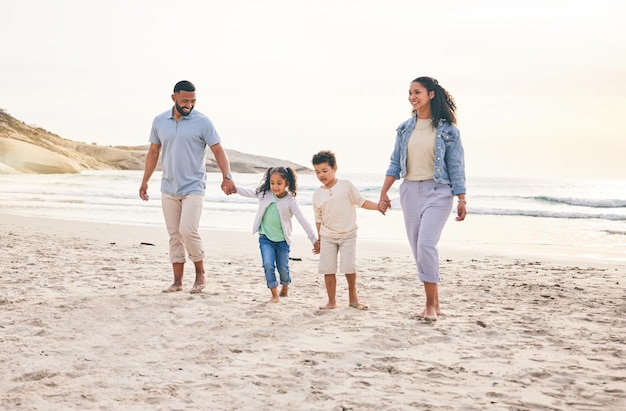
{"x":284,"y":291}
{"x":199,"y":284}
{"x":173,"y":288}
{"x":329,"y":306}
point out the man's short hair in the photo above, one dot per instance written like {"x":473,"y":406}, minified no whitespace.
{"x":184,"y":85}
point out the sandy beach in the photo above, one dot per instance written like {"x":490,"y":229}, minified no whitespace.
{"x":85,"y":326}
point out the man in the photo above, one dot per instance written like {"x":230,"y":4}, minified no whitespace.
{"x":183,"y":134}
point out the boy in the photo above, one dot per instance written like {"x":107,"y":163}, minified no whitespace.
{"x":335,"y":217}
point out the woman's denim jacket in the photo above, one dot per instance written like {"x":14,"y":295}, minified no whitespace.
{"x":449,"y":158}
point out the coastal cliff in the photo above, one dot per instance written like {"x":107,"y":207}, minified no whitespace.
{"x":28,"y":149}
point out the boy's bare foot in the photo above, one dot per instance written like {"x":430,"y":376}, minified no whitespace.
{"x":358,"y":306}
{"x":328,"y":306}
{"x":197,"y":288}
{"x":423,"y":314}
{"x":429,"y":314}
{"x":284,"y":291}
{"x":173,"y":288}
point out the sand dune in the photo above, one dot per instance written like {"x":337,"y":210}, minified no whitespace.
{"x":27,"y":149}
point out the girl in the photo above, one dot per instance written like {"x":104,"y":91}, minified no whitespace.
{"x":428,"y":155}
{"x":277,"y":204}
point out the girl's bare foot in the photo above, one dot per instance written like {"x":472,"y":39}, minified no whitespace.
{"x":284,"y":291}
{"x":328,"y":306}
{"x":275,"y":297}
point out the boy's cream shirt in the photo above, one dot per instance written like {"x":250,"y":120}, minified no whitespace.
{"x":335,"y":209}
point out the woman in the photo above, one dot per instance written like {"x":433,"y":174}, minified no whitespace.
{"x":428,"y":155}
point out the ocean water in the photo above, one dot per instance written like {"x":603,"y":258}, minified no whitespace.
{"x":568,"y":217}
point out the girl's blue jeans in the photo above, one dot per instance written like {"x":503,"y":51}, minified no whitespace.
{"x":275,"y":256}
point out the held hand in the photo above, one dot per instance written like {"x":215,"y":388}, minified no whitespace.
{"x":143,"y":192}
{"x":316,"y":247}
{"x":228,"y":187}
{"x":382,"y":207}
{"x":384,"y":203}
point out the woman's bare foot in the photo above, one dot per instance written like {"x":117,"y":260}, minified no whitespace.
{"x":429,"y":314}
{"x":284,"y":291}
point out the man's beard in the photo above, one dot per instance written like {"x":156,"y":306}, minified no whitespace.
{"x":180,"y":110}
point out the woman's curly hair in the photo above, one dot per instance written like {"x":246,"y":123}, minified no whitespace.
{"x":442,"y":106}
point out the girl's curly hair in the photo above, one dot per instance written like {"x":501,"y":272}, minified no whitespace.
{"x":287,"y":173}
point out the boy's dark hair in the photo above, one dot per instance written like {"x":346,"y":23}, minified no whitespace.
{"x":287,"y":173}
{"x":184,"y":85}
{"x":325,"y":156}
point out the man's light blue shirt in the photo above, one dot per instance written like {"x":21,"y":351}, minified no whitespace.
{"x":183,"y":153}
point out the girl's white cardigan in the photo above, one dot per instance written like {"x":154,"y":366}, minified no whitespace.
{"x":287,"y":208}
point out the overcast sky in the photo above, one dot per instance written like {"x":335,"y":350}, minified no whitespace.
{"x":540,"y":84}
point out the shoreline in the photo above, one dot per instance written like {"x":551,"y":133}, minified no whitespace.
{"x":478,"y":236}
{"x":85,"y":325}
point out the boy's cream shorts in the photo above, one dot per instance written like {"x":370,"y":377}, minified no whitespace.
{"x":331,"y":248}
